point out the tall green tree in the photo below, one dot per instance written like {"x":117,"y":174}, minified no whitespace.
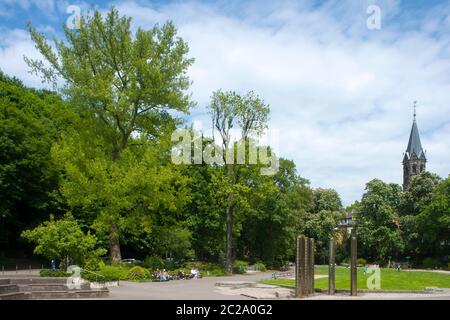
{"x":249,"y":114}
{"x":434,"y":223}
{"x":277,"y":206}
{"x":378,"y":227}
{"x":30,"y":122}
{"x":327,"y":199}
{"x":126,"y":82}
{"x":413,"y":202}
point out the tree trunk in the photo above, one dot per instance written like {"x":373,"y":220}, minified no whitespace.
{"x":116,"y":256}
{"x":229,"y":259}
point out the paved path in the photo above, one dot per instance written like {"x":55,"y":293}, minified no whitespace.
{"x":194,"y":289}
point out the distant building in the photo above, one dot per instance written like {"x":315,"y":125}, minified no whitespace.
{"x":414,"y":160}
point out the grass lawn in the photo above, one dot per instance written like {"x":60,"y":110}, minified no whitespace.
{"x":390,"y":279}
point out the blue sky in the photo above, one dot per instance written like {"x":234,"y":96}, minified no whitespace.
{"x":340,"y":94}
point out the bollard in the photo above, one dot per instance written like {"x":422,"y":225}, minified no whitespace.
{"x":16,"y":268}
{"x":353,"y":269}
{"x":30,"y":268}
{"x":301,"y":272}
{"x":3,"y":270}
{"x":331,"y":267}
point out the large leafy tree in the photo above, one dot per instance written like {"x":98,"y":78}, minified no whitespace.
{"x":434,"y":222}
{"x":249,"y":114}
{"x":413,"y":202}
{"x":277,"y":207}
{"x":30,"y":121}
{"x":126,"y":83}
{"x":378,"y":226}
{"x":326,"y":199}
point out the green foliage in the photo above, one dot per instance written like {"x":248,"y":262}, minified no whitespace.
{"x":64,"y":240}
{"x":434,"y":221}
{"x":378,"y":228}
{"x":260,"y":266}
{"x":154,"y":262}
{"x":138,"y":273}
{"x":54,"y":273}
{"x":30,"y":122}
{"x":361,"y":261}
{"x":431,"y":263}
{"x":171,"y":241}
{"x":124,"y":84}
{"x":93,"y":264}
{"x":326,"y":200}
{"x":107,"y":273}
{"x":239,"y":266}
{"x":230,"y":110}
{"x":205,"y":268}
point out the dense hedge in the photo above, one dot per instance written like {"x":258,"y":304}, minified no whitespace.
{"x":54,"y":273}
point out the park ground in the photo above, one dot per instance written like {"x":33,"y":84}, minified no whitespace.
{"x":261,"y":286}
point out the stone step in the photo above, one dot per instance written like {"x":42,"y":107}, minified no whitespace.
{"x":50,"y":287}
{"x":38,"y":280}
{"x":75,"y":294}
{"x":4,"y":281}
{"x":15,"y":296}
{"x":8,"y":288}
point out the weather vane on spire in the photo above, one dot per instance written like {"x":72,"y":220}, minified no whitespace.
{"x":415,"y":106}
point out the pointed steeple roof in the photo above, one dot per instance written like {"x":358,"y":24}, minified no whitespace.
{"x":414,"y":144}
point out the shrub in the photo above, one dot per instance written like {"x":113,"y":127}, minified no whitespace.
{"x":239,"y":266}
{"x":205,"y":268}
{"x":361,"y":261}
{"x":214,"y":272}
{"x":92,"y":264}
{"x":107,"y":274}
{"x":54,"y":273}
{"x":430,"y":263}
{"x":138,"y":274}
{"x":154,"y":262}
{"x":260,"y":266}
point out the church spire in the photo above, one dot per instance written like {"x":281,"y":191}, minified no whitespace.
{"x":414,"y":144}
{"x":414,"y":160}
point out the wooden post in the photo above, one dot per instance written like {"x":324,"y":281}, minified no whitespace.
{"x":353,"y":269}
{"x":331,"y":267}
{"x":302,"y":264}
{"x":298,"y":267}
{"x":307,"y":268}
{"x":311,"y":266}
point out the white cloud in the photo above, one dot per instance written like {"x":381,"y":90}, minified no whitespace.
{"x":340,"y":95}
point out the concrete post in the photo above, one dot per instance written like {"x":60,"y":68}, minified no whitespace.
{"x":331,"y":267}
{"x":353,"y":269}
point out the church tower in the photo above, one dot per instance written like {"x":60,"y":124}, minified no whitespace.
{"x":414,"y":160}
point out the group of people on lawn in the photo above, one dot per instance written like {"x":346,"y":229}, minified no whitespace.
{"x":163,"y":275}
